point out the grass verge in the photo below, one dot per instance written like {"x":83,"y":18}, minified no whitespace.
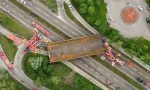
{"x":119,"y":73}
{"x":13,"y":26}
{"x":56,"y":76}
{"x":9,"y":47}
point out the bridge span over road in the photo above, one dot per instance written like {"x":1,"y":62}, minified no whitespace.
{"x":75,"y":48}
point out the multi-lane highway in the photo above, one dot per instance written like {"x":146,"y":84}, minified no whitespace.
{"x":117,"y":83}
{"x":42,"y":11}
{"x":131,"y":72}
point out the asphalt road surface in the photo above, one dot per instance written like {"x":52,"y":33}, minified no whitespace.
{"x":127,"y":70}
{"x":62,"y":15}
{"x":117,"y":83}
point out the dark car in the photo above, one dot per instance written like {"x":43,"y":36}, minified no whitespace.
{"x":148,"y":20}
{"x":140,"y":80}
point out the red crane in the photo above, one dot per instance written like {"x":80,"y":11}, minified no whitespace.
{"x":40,"y":28}
{"x":4,"y":58}
{"x":31,"y":44}
{"x":112,"y":56}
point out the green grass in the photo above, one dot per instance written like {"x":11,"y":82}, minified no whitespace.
{"x":53,"y":76}
{"x":119,"y":73}
{"x":13,"y":26}
{"x":51,"y":4}
{"x":9,"y":47}
{"x":41,"y":20}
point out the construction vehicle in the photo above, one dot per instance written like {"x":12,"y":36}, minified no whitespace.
{"x":4,"y":58}
{"x":31,"y":44}
{"x":111,"y":56}
{"x":14,"y":39}
{"x":75,"y":48}
{"x":40,"y":28}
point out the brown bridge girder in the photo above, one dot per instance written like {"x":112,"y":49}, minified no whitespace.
{"x":75,"y":48}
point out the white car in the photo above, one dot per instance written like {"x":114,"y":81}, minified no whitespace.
{"x":70,"y":6}
{"x":108,"y":10}
{"x":8,"y":11}
{"x":140,"y":8}
{"x":25,"y":3}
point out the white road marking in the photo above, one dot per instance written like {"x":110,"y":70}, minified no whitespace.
{"x":13,"y":10}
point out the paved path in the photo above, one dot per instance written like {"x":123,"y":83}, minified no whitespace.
{"x":140,"y":28}
{"x":117,"y":83}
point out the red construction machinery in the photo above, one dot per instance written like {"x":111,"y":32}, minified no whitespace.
{"x":112,"y":56}
{"x":4,"y":58}
{"x":14,"y":39}
{"x":40,"y":28}
{"x":31,"y":44}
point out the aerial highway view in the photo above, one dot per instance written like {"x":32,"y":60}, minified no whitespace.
{"x":74,"y":44}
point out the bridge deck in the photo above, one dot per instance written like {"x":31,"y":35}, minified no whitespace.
{"x":75,"y":48}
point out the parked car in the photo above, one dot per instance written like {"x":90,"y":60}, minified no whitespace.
{"x":70,"y":6}
{"x":148,"y":20}
{"x":111,"y":20}
{"x":140,"y":8}
{"x":139,"y":80}
{"x":108,"y":10}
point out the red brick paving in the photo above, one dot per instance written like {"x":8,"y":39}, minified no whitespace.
{"x":129,"y":15}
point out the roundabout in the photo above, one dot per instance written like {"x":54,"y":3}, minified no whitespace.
{"x":128,"y":19}
{"x":129,"y":15}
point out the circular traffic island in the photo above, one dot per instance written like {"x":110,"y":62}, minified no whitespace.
{"x":129,"y":15}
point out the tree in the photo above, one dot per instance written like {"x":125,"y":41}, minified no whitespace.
{"x":83,"y":8}
{"x":38,"y":82}
{"x":35,"y":62}
{"x":90,"y":2}
{"x":97,"y":23}
{"x":119,"y":43}
{"x":98,"y":2}
{"x":55,"y":80}
{"x":91,"y":10}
